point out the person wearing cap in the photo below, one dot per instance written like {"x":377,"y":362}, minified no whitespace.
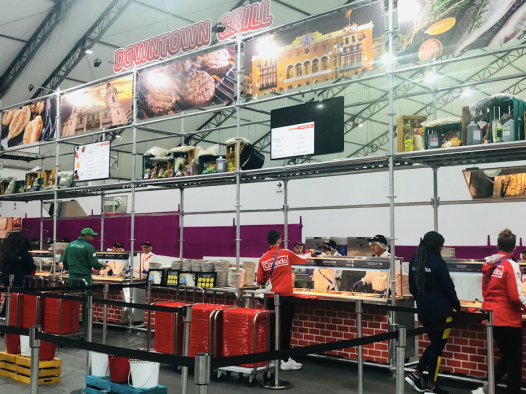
{"x":80,"y":257}
{"x":114,"y":266}
{"x":145,"y":259}
{"x":324,"y":278}
{"x":377,"y":279}
{"x":298,"y":250}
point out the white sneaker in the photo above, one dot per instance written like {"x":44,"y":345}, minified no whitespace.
{"x":480,"y":390}
{"x":290,"y":365}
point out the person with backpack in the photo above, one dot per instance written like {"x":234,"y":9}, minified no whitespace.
{"x":432,"y":287}
{"x":275,"y":273}
{"x":502,"y":292}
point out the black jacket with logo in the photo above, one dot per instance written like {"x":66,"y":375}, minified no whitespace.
{"x":439,"y":292}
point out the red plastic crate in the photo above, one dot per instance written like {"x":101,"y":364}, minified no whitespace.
{"x":52,"y":316}
{"x":29,"y":311}
{"x":164,"y":329}
{"x":199,"y":329}
{"x":238,"y":333}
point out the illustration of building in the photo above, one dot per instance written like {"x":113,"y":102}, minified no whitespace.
{"x":93,"y":117}
{"x":316,"y":57}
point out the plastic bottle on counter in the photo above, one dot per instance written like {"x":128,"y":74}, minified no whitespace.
{"x":474,"y":134}
{"x":220,"y":164}
{"x":433,"y":140}
{"x":419,"y":139}
{"x":508,"y":129}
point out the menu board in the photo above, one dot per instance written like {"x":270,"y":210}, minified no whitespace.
{"x":291,"y":141}
{"x":92,"y":161}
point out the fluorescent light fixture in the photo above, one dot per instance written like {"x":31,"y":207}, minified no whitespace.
{"x":320,"y":105}
{"x":88,"y":51}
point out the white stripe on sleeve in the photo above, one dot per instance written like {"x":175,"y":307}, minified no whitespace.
{"x":518,"y":275}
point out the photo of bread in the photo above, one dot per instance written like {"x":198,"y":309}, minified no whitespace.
{"x":19,"y":122}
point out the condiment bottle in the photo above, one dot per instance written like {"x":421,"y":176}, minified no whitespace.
{"x":433,"y":140}
{"x":220,"y":164}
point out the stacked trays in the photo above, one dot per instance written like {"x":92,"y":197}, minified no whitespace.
{"x":164,"y":329}
{"x":221,"y":267}
{"x":208,"y":266}
{"x":199,"y":329}
{"x":187,"y":265}
{"x":52,"y":316}
{"x":28,"y":312}
{"x":238,"y":333}
{"x":232,"y":277}
{"x":177,"y":265}
{"x":250,"y":269}
{"x":197,"y":265}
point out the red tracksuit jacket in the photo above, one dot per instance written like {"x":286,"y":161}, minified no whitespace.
{"x":502,"y":290}
{"x":281,"y":278}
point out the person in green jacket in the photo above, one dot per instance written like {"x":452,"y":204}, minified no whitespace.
{"x":80,"y":257}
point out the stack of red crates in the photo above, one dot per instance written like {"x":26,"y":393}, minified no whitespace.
{"x":28,"y":311}
{"x":52,"y":316}
{"x":238,"y":333}
{"x":199,"y":329}
{"x":164,"y":329}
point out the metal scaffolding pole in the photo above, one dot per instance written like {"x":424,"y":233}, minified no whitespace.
{"x":436,"y":200}
{"x":434,"y":91}
{"x":55,"y":189}
{"x":41,"y":224}
{"x":133,"y":180}
{"x":102,"y":221}
{"x":181,"y":225}
{"x":238,"y":164}
{"x":286,"y":212}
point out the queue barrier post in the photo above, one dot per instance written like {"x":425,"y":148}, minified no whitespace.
{"x":34,"y":344}
{"x":359,"y":313}
{"x":89,"y":327}
{"x":7,"y":300}
{"x":105,"y":292}
{"x":202,"y":372}
{"x":400,"y":359}
{"x":149,"y":317}
{"x":489,"y":340}
{"x":186,"y":346}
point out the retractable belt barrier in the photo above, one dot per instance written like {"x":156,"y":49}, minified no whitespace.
{"x":69,"y":288}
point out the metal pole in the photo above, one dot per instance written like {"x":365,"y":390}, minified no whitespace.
{"x":277,"y":328}
{"x":34,"y":344}
{"x":434,"y":94}
{"x":238,"y":166}
{"x":133,"y":180}
{"x":7,"y":301}
{"x":149,"y":321}
{"x":41,"y":225}
{"x":359,"y":312}
{"x":286,"y":212}
{"x":89,"y":328}
{"x":436,"y":199}
{"x":181,"y":225}
{"x":186,"y":346}
{"x":400,"y":358}
{"x":489,"y":340}
{"x":55,"y":189}
{"x":102,"y":221}
{"x":104,"y":313}
{"x":202,"y":372}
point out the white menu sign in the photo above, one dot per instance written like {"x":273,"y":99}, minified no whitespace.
{"x":92,"y":161}
{"x":291,"y":141}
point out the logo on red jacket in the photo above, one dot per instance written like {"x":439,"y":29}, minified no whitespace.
{"x":499,"y":271}
{"x":280,"y":262}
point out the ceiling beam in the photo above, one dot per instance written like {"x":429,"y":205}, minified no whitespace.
{"x":108,"y":44}
{"x":292,"y":7}
{"x":33,"y":45}
{"x":95,"y":33}
{"x":13,"y":38}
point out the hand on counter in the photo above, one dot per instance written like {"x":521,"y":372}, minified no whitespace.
{"x":357,"y":285}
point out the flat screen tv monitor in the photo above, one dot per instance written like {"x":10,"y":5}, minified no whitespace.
{"x":308,"y":129}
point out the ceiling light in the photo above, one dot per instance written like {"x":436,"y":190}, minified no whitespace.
{"x":492,"y":173}
{"x":466,"y":92}
{"x":430,"y":77}
{"x":360,"y":125}
{"x":88,"y":51}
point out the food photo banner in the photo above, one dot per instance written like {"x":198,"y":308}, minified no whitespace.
{"x":105,"y":105}
{"x":342,"y":44}
{"x":432,"y":28}
{"x":28,"y":124}
{"x":192,"y":83}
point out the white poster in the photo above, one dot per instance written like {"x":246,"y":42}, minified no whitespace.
{"x":92,"y":161}
{"x":291,"y":141}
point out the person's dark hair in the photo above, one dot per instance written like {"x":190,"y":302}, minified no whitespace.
{"x":273,"y":236}
{"x":19,"y":249}
{"x":298,"y":244}
{"x":432,"y":243}
{"x":65,"y":240}
{"x":507,"y":241}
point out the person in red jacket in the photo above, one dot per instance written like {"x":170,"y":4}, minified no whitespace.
{"x":502,"y":292}
{"x":276,"y":265}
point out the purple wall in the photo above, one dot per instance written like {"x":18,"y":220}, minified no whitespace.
{"x":162,"y":230}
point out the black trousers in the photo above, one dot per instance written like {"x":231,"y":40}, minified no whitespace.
{"x":286,"y":318}
{"x":432,"y":356}
{"x":509,"y":342}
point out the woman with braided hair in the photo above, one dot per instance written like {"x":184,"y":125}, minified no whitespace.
{"x":433,"y":289}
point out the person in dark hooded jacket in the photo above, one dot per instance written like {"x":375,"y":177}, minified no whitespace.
{"x":432,"y":287}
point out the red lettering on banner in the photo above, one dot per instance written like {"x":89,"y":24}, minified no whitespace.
{"x":141,"y":52}
{"x":129,"y":56}
{"x":255,"y":21}
{"x":204,"y":35}
{"x":174,"y":45}
{"x":247,"y":14}
{"x":118,"y":59}
{"x":153,"y":53}
{"x":266,"y":17}
{"x":225,"y":21}
{"x":237,"y":19}
{"x":164,"y":44}
{"x":189,"y":37}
